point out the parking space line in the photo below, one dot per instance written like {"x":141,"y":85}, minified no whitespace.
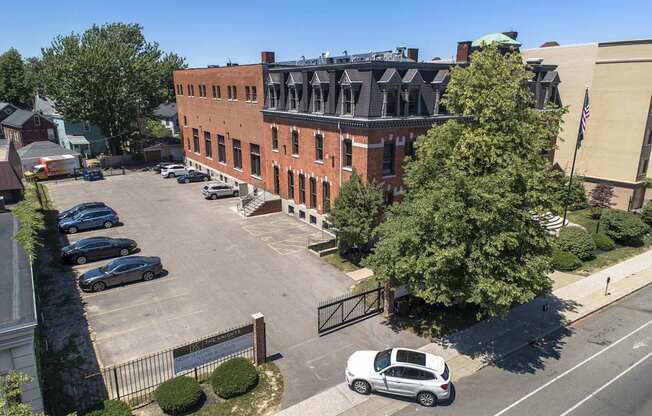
{"x":135,"y":305}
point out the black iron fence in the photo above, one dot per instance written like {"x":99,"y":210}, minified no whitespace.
{"x":342,"y":310}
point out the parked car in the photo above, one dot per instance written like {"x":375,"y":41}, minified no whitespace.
{"x":194,"y":176}
{"x":160,"y":166}
{"x":175,"y":170}
{"x":96,"y":248}
{"x":217,"y":190}
{"x":89,"y":219}
{"x":94,"y":174}
{"x":120,"y":271}
{"x":71,"y":212}
{"x":400,"y":371}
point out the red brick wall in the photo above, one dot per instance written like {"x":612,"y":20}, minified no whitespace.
{"x":237,"y":119}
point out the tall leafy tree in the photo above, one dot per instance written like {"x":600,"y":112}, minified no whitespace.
{"x":169,"y":63}
{"x":15,"y":86}
{"x":10,"y":403}
{"x":465,"y":233}
{"x":357,"y":211}
{"x":109,"y":75}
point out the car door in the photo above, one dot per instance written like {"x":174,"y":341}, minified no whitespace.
{"x":105,"y":249}
{"x":120,"y":274}
{"x":134,"y":272}
{"x":84,"y":221}
{"x":396,"y":381}
{"x":90,"y":251}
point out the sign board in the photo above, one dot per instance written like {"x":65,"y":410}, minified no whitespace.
{"x":212,"y":348}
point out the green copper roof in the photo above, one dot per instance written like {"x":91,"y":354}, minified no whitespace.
{"x":495,"y":38}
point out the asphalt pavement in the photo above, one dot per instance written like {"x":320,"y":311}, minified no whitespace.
{"x":600,"y":366}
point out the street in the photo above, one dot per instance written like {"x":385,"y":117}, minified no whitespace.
{"x":600,"y":366}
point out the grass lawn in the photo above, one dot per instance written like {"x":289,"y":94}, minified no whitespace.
{"x":583,"y":217}
{"x":344,"y":264}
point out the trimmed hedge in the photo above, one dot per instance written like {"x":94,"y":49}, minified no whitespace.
{"x":603,"y":242}
{"x":565,"y":261}
{"x":646,"y":213}
{"x":624,"y":227}
{"x":178,"y":395}
{"x":234,"y":377}
{"x":112,"y":408}
{"x":576,"y":240}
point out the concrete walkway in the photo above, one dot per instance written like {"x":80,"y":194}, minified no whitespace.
{"x":468,"y":351}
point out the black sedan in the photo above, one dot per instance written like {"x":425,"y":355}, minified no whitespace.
{"x":96,"y":248}
{"x":159,"y":166}
{"x":71,"y":212}
{"x":121,"y":271}
{"x":194,"y":176}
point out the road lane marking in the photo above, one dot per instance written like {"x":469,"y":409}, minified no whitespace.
{"x":604,"y":386}
{"x":570,"y":370}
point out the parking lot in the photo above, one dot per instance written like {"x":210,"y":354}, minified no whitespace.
{"x":220,"y":269}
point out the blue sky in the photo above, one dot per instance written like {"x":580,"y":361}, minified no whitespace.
{"x":211,"y":32}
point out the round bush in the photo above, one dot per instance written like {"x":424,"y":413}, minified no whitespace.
{"x":565,"y":261}
{"x":234,"y":377}
{"x":576,"y":240}
{"x":112,"y":408}
{"x":603,"y":242}
{"x":178,"y":395}
{"x":646,"y":213}
{"x":624,"y":227}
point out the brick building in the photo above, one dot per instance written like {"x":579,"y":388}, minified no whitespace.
{"x":313,"y":121}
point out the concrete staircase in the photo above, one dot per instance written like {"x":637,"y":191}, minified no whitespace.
{"x":551,"y":222}
{"x":259,"y":203}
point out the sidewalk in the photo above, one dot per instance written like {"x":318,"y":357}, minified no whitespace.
{"x":468,"y":351}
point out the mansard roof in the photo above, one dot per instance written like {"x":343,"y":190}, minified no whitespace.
{"x":275,"y":78}
{"x":442,"y":77}
{"x":390,"y":76}
{"x":295,"y":78}
{"x":320,"y":77}
{"x":413,"y":77}
{"x":351,"y":76}
{"x":550,"y":77}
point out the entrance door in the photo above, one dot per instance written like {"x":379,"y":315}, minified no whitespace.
{"x":277,"y":180}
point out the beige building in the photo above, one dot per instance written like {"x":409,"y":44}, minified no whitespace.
{"x":618,"y":137}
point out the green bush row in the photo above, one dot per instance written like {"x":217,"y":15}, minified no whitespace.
{"x":112,"y":408}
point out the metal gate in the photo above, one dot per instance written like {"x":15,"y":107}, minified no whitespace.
{"x":342,"y":310}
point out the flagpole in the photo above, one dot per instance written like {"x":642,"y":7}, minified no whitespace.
{"x":577,"y":146}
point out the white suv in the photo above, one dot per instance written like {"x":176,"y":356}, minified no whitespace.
{"x":217,"y":190}
{"x":175,"y":170}
{"x":400,"y":371}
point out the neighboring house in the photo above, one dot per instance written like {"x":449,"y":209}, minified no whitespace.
{"x":31,"y":154}
{"x":24,"y":127}
{"x":165,"y":150}
{"x":17,"y":312}
{"x":79,"y":136}
{"x":11,"y":186}
{"x":5,"y":111}
{"x":167,"y":114}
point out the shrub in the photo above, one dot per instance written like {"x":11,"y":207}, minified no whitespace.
{"x":576,"y":240}
{"x":565,"y":261}
{"x":603,"y":242}
{"x":178,"y":395}
{"x":112,"y":408}
{"x":234,"y":377}
{"x":624,"y":227}
{"x":646,"y":213}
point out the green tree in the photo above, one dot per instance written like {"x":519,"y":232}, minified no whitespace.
{"x":10,"y":404}
{"x":109,"y":75}
{"x":14,"y":83}
{"x":156,"y":129}
{"x":357,"y":211}
{"x":465,"y":233}
{"x":169,"y":63}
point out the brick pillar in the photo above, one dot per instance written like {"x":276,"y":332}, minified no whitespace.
{"x":260,"y":342}
{"x":389,"y":300}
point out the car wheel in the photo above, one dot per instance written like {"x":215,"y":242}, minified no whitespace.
{"x":108,"y":224}
{"x":236,"y":193}
{"x":186,"y":181}
{"x":206,"y":178}
{"x":427,"y":399}
{"x":214,"y":196}
{"x":148,"y":275}
{"x":124,"y":252}
{"x":72,"y":230}
{"x":81,"y":260}
{"x":171,"y":175}
{"x":361,"y":387}
{"x":98,"y":286}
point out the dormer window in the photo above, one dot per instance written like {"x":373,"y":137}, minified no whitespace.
{"x":294,"y":100}
{"x":390,"y":84}
{"x":319,"y":91}
{"x":348,"y":104}
{"x":439,"y":85}
{"x":317,"y":100}
{"x":273,"y":93}
{"x":413,"y":105}
{"x":294,"y":83}
{"x":350,"y":84}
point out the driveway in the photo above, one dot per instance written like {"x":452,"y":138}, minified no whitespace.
{"x":221,"y":269}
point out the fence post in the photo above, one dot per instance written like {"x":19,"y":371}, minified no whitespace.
{"x":388,"y":294}
{"x":260,"y":342}
{"x":115,"y":378}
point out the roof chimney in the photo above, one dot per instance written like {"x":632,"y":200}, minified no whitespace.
{"x":463,"y":49}
{"x":413,"y":53}
{"x":267,"y":57}
{"x":512,"y":34}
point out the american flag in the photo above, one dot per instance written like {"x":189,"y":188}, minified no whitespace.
{"x":583,"y":119}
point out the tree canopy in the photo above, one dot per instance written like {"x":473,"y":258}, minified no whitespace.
{"x":10,"y":404}
{"x":15,"y":81}
{"x":110,"y":75}
{"x":465,"y":232}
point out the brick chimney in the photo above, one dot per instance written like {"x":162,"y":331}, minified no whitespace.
{"x":463,"y":50}
{"x":267,"y":57}
{"x":413,"y":53}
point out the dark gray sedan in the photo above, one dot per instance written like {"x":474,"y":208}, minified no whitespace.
{"x":121,"y":271}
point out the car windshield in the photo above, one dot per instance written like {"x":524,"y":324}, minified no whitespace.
{"x":382,"y":360}
{"x":444,"y":375}
{"x":110,"y":267}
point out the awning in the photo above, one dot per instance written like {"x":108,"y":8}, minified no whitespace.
{"x":78,"y":140}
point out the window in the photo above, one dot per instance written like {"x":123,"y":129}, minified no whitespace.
{"x":208,"y":145}
{"x":254,"y":95}
{"x":413,"y":102}
{"x":216,"y":91}
{"x":277,"y":180}
{"x":319,"y":147}
{"x":188,"y":143}
{"x":180,"y":89}
{"x":411,"y":357}
{"x":295,"y":142}
{"x":388,"y":158}
{"x":274,"y":138}
{"x":348,"y":153}
{"x":230,"y":90}
{"x":313,"y":192}
{"x":326,"y":196}
{"x":347,"y":101}
{"x":292,"y":91}
{"x":644,"y":167}
{"x":254,"y":152}
{"x":37,"y":120}
{"x":302,"y":188}
{"x":195,"y":140}
{"x":273,"y":96}
{"x":191,"y":90}
{"x":391,"y":103}
{"x":318,"y":100}
{"x":388,"y":197}
{"x":313,"y":219}
{"x":247,"y":94}
{"x":235,"y":92}
{"x":237,"y":154}
{"x":290,"y":185}
{"x":409,"y":148}
{"x":202,"y":90}
{"x":185,"y":121}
